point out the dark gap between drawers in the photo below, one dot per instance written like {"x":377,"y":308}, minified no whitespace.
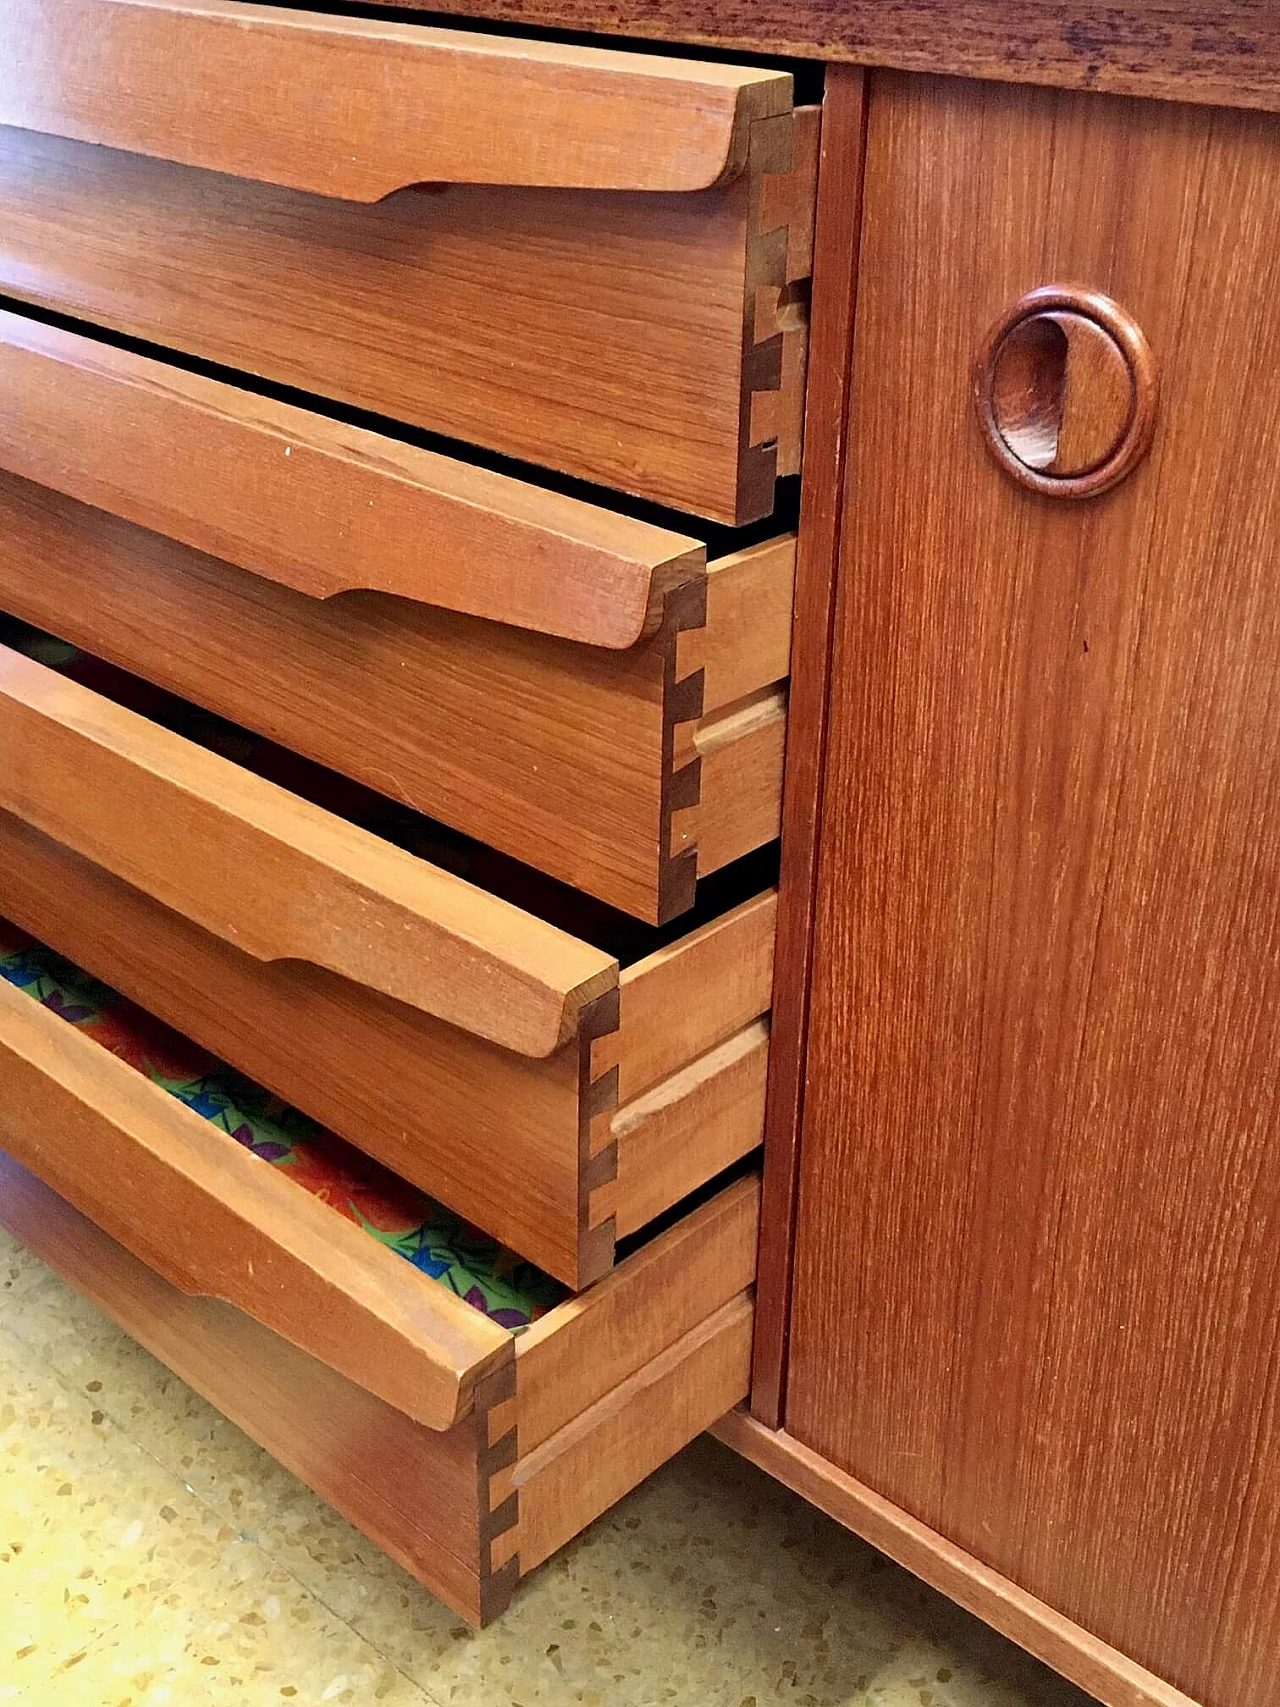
{"x":720,"y":540}
{"x":615,"y":933}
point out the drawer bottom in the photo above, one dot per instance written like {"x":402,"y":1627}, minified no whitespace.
{"x":463,"y":1511}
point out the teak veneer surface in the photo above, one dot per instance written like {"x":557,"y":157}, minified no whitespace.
{"x":1181,"y":50}
{"x":575,"y":759}
{"x":626,"y":339}
{"x":1041,"y":1166}
{"x":412,"y":1489}
{"x":356,"y":108}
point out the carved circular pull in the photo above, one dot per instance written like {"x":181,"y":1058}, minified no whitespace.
{"x":1066,"y":392}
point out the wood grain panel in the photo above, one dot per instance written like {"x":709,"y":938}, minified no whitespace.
{"x":619,"y":338}
{"x":410,"y":1489}
{"x":214,"y":1219}
{"x":356,"y":108}
{"x":611,"y":1448}
{"x":321,"y":507}
{"x":585,"y":1348}
{"x":456,"y":1509}
{"x":519,"y":1146}
{"x":687,"y":1130}
{"x":745,"y":643}
{"x":666,"y":1019}
{"x":276,"y":876}
{"x":1039,"y":1188}
{"x":740,"y":755}
{"x":1227,"y":55}
{"x":552,"y":752}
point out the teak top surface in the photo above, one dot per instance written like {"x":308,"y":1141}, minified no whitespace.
{"x":1184,"y":50}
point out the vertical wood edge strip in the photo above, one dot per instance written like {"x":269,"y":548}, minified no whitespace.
{"x":682,"y":696}
{"x":837,"y":233}
{"x":771,"y":153}
{"x":496,"y":1502}
{"x":597,"y":1147}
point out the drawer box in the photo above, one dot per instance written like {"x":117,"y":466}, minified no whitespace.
{"x":586,"y":259}
{"x":468,"y":1453}
{"x":572,"y":686}
{"x":511,"y":1069}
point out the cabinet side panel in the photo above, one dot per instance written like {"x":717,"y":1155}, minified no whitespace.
{"x":1039,"y":1190}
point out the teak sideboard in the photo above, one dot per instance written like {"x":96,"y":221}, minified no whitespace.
{"x":663,"y":628}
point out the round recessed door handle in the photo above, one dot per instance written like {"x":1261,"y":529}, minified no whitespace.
{"x":1066,"y":392}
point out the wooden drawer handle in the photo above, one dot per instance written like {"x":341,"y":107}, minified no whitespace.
{"x":357,"y":108}
{"x":1066,"y":392}
{"x":277,"y":877}
{"x":318,"y":506}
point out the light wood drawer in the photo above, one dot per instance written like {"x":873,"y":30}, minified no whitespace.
{"x":563,"y":682}
{"x":511,"y":1069}
{"x":468,"y":1453}
{"x":588,"y":259}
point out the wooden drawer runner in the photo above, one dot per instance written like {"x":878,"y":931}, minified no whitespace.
{"x":496,"y":1449}
{"x":570,"y":685}
{"x":512,"y":1070}
{"x":586,"y":259}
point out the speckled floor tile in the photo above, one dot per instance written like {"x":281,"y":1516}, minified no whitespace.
{"x":218,"y":1462}
{"x":90,"y":1524}
{"x":242,"y":1633}
{"x":950,"y":1674}
{"x":18,"y":1270}
{"x":711,"y":1586}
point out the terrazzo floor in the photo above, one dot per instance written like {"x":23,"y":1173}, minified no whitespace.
{"x":151,"y":1554}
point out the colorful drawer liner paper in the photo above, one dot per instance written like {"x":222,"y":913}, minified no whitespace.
{"x":505,"y":1288}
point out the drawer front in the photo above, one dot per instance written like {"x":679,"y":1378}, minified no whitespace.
{"x":627,"y":773}
{"x":322,"y":508}
{"x":418,"y":105}
{"x":573,"y":1414}
{"x":649,"y":341}
{"x":657,"y":1086}
{"x":278,"y":877}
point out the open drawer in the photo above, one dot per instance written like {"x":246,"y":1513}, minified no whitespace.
{"x":469,"y":1453}
{"x":516,"y":1072}
{"x":584,"y":258}
{"x":571,"y":685}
